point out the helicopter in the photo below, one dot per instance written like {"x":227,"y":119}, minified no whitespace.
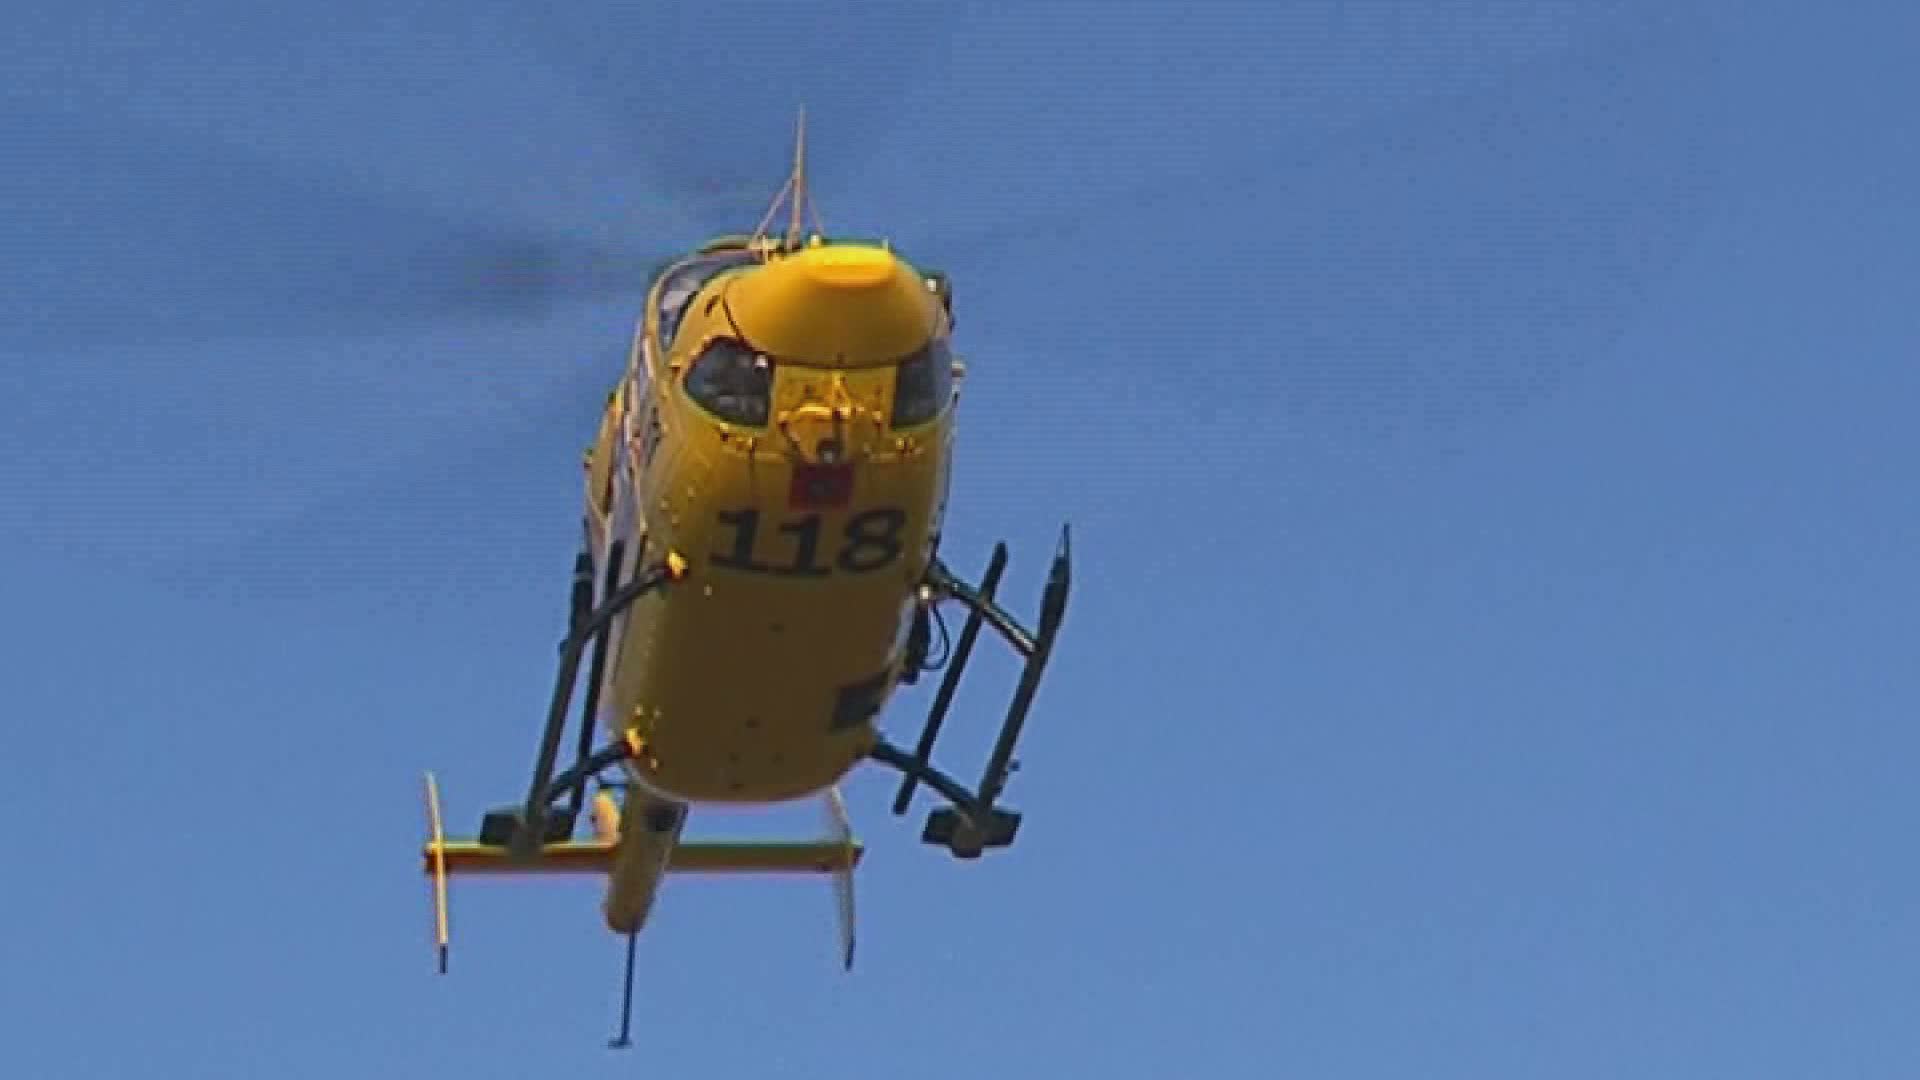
{"x":759,"y":574}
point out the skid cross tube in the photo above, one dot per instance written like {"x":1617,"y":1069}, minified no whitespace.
{"x":585,"y":769}
{"x":981,"y":602}
{"x":596,"y":674}
{"x":526,"y":838}
{"x":921,"y":769}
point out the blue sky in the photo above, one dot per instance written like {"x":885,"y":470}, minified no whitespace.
{"x":1487,"y":430}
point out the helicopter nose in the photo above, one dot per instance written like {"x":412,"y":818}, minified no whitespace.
{"x":836,"y":306}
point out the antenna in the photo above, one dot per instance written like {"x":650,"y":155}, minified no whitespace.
{"x":624,"y":1040}
{"x":799,"y":179}
{"x":800,"y":207}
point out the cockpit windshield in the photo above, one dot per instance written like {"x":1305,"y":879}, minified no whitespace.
{"x":923,"y":384}
{"x":733,"y":382}
{"x":684,"y":283}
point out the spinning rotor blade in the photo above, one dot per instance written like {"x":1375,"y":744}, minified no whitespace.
{"x":731,"y":154}
{"x":122,"y":235}
{"x":132,"y":254}
{"x":127,"y":233}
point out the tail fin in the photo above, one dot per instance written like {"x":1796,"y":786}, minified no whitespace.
{"x":841,"y":831}
{"x":437,"y":865}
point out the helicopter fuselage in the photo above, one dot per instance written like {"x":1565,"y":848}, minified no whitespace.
{"x":784,"y":433}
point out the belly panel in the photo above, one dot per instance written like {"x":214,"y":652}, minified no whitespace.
{"x":759,"y":676}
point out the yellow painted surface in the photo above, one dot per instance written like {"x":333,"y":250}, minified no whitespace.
{"x":834,"y":306}
{"x":731,"y":677}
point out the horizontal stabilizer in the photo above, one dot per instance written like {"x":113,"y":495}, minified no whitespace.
{"x":596,"y":857}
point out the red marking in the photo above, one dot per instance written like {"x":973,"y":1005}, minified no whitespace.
{"x":820,"y":487}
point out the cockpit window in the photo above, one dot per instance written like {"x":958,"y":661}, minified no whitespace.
{"x":683,"y":284}
{"x":733,"y":382}
{"x":923,"y":385}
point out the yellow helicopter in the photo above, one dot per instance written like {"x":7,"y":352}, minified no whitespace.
{"x":760,"y":573}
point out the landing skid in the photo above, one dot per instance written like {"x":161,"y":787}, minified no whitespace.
{"x":973,"y":823}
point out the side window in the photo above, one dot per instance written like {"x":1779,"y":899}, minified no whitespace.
{"x":732,"y":382}
{"x":942,"y":287}
{"x":685,"y":283}
{"x":923,"y":384}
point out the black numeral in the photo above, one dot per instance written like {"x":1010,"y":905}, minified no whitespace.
{"x":873,"y":539}
{"x":806,"y":548}
{"x":870,"y":542}
{"x":745,"y":525}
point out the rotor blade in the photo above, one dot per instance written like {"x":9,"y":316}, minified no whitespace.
{"x":121,"y":236}
{"x":126,"y":243}
{"x":857,"y":81}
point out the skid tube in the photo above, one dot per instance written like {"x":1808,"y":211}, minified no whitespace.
{"x":974,"y":822}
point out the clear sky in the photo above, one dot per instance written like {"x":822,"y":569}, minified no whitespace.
{"x":1488,"y":431}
